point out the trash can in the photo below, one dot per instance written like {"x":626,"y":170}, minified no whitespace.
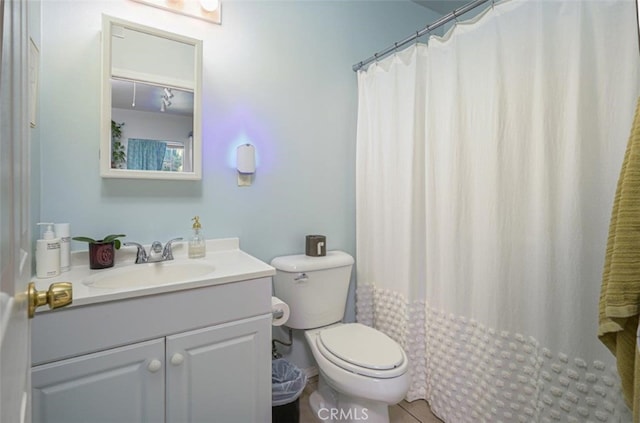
{"x":287,"y":384}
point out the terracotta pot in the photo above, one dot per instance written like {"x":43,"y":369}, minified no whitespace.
{"x":101,"y":255}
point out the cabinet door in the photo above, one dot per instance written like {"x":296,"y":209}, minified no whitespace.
{"x":220,"y":374}
{"x":118,"y":385}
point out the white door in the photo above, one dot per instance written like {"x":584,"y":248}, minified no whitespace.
{"x":15,"y":243}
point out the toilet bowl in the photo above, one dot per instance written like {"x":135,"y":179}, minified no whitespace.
{"x":361,"y":370}
{"x":366,"y":373}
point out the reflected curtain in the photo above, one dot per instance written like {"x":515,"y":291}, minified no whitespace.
{"x":486,"y":166}
{"x":145,"y":154}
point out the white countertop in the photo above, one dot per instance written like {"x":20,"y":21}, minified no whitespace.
{"x":231,"y":265}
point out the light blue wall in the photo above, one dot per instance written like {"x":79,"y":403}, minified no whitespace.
{"x":276,"y":74}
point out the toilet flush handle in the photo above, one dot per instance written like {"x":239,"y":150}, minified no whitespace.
{"x":301,"y":277}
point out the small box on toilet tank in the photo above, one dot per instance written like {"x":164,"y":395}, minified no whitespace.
{"x":316,"y":245}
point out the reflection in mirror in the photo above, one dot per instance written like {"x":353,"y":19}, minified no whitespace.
{"x":151,"y":103}
{"x":152,"y":127}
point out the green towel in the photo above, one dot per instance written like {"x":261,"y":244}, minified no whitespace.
{"x":620,"y":293}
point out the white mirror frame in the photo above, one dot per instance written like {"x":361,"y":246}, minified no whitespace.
{"x":106,"y":171}
{"x":638,"y":17}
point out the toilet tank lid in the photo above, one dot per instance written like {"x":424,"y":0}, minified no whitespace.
{"x":304,"y":263}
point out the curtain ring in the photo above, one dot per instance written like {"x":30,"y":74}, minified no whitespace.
{"x":455,"y":17}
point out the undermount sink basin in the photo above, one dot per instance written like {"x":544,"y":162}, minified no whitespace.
{"x":150,"y":274}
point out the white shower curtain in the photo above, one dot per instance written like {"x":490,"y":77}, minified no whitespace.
{"x":487,"y":162}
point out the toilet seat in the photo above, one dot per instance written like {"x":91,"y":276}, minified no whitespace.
{"x":362,"y":350}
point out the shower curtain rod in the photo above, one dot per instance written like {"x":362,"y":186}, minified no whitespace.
{"x":443,"y":20}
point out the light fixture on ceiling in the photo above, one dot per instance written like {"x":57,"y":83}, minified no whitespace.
{"x":165,"y":99}
{"x":209,"y":5}
{"x":207,"y":10}
{"x":133,"y":103}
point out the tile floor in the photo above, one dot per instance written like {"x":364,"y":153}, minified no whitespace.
{"x":405,"y":412}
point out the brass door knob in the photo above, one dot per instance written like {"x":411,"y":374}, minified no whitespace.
{"x":59,"y":294}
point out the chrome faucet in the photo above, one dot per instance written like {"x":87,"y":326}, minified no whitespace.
{"x":156,"y":253}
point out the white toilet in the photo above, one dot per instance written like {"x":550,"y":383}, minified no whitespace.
{"x":362,"y":371}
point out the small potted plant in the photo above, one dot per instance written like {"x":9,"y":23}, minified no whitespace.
{"x":101,"y":252}
{"x":118,"y":156}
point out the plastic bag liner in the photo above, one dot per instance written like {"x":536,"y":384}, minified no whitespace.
{"x":287,"y":382}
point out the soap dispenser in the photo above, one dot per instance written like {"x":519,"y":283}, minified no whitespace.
{"x":197,"y":246}
{"x":47,"y":253}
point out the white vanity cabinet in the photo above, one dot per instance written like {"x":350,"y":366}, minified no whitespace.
{"x":198,"y":355}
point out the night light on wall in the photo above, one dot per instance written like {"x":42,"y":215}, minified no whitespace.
{"x":245,"y":164}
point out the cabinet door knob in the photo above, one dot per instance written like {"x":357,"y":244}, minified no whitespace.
{"x":177,"y":359}
{"x":154,"y":365}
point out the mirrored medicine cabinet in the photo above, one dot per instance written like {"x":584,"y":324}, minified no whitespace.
{"x":151,"y":103}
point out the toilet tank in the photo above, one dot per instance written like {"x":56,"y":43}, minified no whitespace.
{"x":315,"y":288}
